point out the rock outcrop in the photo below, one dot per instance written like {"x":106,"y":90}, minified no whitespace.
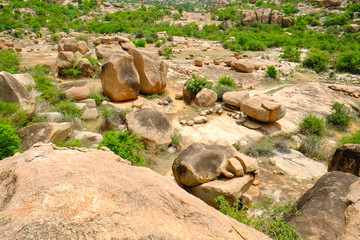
{"x":76,"y":46}
{"x":120,"y":79}
{"x":236,"y":98}
{"x":152,"y":73}
{"x":151,"y":125}
{"x":105,"y":50}
{"x":13,"y":92}
{"x":346,"y":159}
{"x":263,"y":109}
{"x":322,"y":207}
{"x":265,"y":16}
{"x":48,"y":193}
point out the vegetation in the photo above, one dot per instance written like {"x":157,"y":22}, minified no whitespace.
{"x":195,"y":84}
{"x":340,"y":116}
{"x":167,"y":53}
{"x":83,"y":37}
{"x":354,"y":138}
{"x":126,"y":145}
{"x":176,"y":139}
{"x":152,"y":96}
{"x":70,"y":143}
{"x":313,"y":146}
{"x":349,"y":61}
{"x":55,"y":38}
{"x":9,"y":61}
{"x":141,"y":43}
{"x":99,"y":98}
{"x":270,"y":219}
{"x":9,"y":143}
{"x":69,"y":111}
{"x":312,"y":125}
{"x":317,"y":61}
{"x":271,"y":72}
{"x":227,"y":81}
{"x":260,"y":149}
{"x":72,"y":72}
{"x":291,"y":54}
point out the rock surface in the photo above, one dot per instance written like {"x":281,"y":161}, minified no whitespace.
{"x":13,"y":92}
{"x":70,"y":194}
{"x":150,"y":125}
{"x":120,"y":79}
{"x":76,"y":46}
{"x":322,"y":207}
{"x":235,"y":99}
{"x":346,"y":159}
{"x":244,"y":66}
{"x":205,"y":98}
{"x":106,"y":50}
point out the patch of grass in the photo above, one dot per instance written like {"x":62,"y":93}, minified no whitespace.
{"x":317,"y":61}
{"x":176,"y":139}
{"x":99,"y":98}
{"x":71,"y":143}
{"x":354,"y":139}
{"x":72,"y":72}
{"x":39,"y":70}
{"x":272,"y":91}
{"x":227,"y":81}
{"x":83,"y":37}
{"x":291,"y":54}
{"x":49,"y":91}
{"x":313,"y":146}
{"x":260,"y":149}
{"x":55,"y":38}
{"x":152,"y":96}
{"x":69,"y":111}
{"x":312,"y":125}
{"x":10,"y":61}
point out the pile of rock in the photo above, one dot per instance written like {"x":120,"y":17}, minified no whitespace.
{"x":210,"y":171}
{"x":265,"y":16}
{"x":9,"y":45}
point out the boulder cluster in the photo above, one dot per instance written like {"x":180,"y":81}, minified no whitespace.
{"x":265,"y":16}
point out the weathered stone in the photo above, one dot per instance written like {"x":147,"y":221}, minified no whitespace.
{"x":13,"y":92}
{"x":249,"y":164}
{"x":127,"y":45}
{"x":248,"y":17}
{"x":235,"y":98}
{"x":229,"y":60}
{"x":200,"y":119}
{"x":286,"y":21}
{"x":151,"y":125}
{"x":65,"y":59}
{"x":354,"y":28}
{"x":199,"y":62}
{"x":90,"y":103}
{"x":89,"y":137}
{"x":90,"y":114}
{"x":86,"y":68}
{"x":120,"y":79}
{"x":52,"y":116}
{"x":235,"y":167}
{"x":263,"y":109}
{"x":44,"y":132}
{"x":78,"y":93}
{"x":121,"y":39}
{"x":244,"y":66}
{"x":152,"y":73}
{"x":106,"y":50}
{"x":346,"y":159}
{"x":206,"y":98}
{"x":76,"y":46}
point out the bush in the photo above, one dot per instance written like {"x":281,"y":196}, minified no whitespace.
{"x":126,"y":145}
{"x":195,"y":84}
{"x":313,"y":147}
{"x":167,"y":53}
{"x":9,"y":143}
{"x":9,"y":61}
{"x":141,"y":43}
{"x":317,"y":61}
{"x":220,"y":89}
{"x":83,"y":37}
{"x":312,"y":125}
{"x":39,"y":70}
{"x":68,"y":110}
{"x":227,"y":81}
{"x":291,"y":54}
{"x":349,"y":61}
{"x":70,"y":143}
{"x":354,"y":138}
{"x":12,"y":114}
{"x":340,"y":116}
{"x":55,"y":38}
{"x":49,"y":91}
{"x":72,"y":72}
{"x":260,"y":149}
{"x":270,"y":220}
{"x":271,"y":72}
{"x":99,"y":98}
{"x":176,"y":139}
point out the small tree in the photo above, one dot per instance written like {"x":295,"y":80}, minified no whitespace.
{"x":271,"y":72}
{"x":9,"y":143}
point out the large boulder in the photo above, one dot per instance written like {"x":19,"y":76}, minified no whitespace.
{"x":243,"y":65}
{"x":263,"y":109}
{"x":322,"y":207}
{"x":152,"y":73}
{"x":76,"y":46}
{"x":236,"y":98}
{"x":86,"y":68}
{"x":263,"y":15}
{"x":346,"y":159}
{"x":44,"y":132}
{"x":51,"y":193}
{"x":248,"y":17}
{"x":78,"y":93}
{"x":14,"y":92}
{"x":206,"y":98}
{"x":151,"y":125}
{"x":106,"y":50}
{"x":120,"y":79}
{"x":352,"y":213}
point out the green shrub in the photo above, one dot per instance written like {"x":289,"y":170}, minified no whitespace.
{"x":195,"y":84}
{"x":340,"y":116}
{"x":49,"y":91}
{"x":83,"y":37}
{"x":39,"y":70}
{"x":317,"y":61}
{"x":312,"y":125}
{"x":176,"y":139}
{"x":354,"y":138}
{"x":70,"y":143}
{"x":260,"y":149}
{"x":152,"y":96}
{"x":220,"y":89}
{"x":108,"y":112}
{"x":71,"y":72}
{"x":271,"y":72}
{"x":55,"y":38}
{"x":9,"y":143}
{"x":141,"y":43}
{"x":313,"y":147}
{"x":167,"y":53}
{"x":349,"y":61}
{"x":99,"y":98}
{"x":270,"y":220}
{"x":291,"y":54}
{"x":227,"y":81}
{"x":9,"y":61}
{"x":11,"y":113}
{"x":126,"y":145}
{"x":68,"y":110}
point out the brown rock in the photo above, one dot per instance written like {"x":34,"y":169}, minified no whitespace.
{"x":248,"y":17}
{"x":346,"y":159}
{"x":106,"y":50}
{"x":286,"y":21}
{"x":64,"y":194}
{"x":121,"y":39}
{"x":120,"y":79}
{"x":127,"y":45}
{"x":354,"y":28}
{"x":76,"y":46}
{"x":249,"y":164}
{"x":86,"y":68}
{"x":199,"y":62}
{"x":78,"y":93}
{"x":263,"y":109}
{"x":218,"y":61}
{"x":229,"y":60}
{"x":235,"y":98}
{"x":65,"y":59}
{"x":206,"y":98}
{"x":244,"y":66}
{"x":235,"y":167}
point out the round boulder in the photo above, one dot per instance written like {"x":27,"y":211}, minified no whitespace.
{"x":346,"y":159}
{"x":244,"y":66}
{"x":235,"y":98}
{"x":206,"y":98}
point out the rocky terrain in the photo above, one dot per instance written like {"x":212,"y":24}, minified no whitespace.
{"x":109,"y":135}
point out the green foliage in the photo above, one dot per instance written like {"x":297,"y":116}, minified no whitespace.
{"x":349,"y":61}
{"x":227,"y":81}
{"x":9,"y":143}
{"x":108,"y":112}
{"x":167,"y":53}
{"x":9,"y":61}
{"x":177,"y":16}
{"x":220,"y":89}
{"x":271,"y":72}
{"x":291,"y":54}
{"x":176,"y":139}
{"x":317,"y":61}
{"x":141,"y":43}
{"x":313,"y":147}
{"x":68,"y":110}
{"x":72,"y":72}
{"x":152,"y":96}
{"x":70,"y":143}
{"x":99,"y":98}
{"x":55,"y":38}
{"x":260,"y":149}
{"x":49,"y":91}
{"x":312,"y":125}
{"x":195,"y":84}
{"x":354,"y":138}
{"x":126,"y":145}
{"x":340,"y":116}
{"x":39,"y":70}
{"x":83,"y":37}
{"x":270,"y":219}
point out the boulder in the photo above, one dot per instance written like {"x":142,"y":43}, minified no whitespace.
{"x":231,"y":189}
{"x":44,"y":132}
{"x":121,"y":39}
{"x":151,"y":125}
{"x":352,"y":213}
{"x":229,"y":60}
{"x":120,"y":79}
{"x":244,"y":66}
{"x":162,"y":35}
{"x":78,"y":93}
{"x":86,"y":68}
{"x":276,"y":18}
{"x":12,"y":91}
{"x":248,"y":17}
{"x":65,"y":59}
{"x":90,"y":114}
{"x":106,"y":50}
{"x":346,"y":159}
{"x":200,"y":163}
{"x":89,"y":137}
{"x":24,"y":79}
{"x":152,"y":73}
{"x":263,"y":109}
{"x":127,"y":45}
{"x":286,"y":21}
{"x":322,"y":207}
{"x":263,"y":15}
{"x":52,"y":116}
{"x":199,"y":62}
{"x":51,"y":193}
{"x":206,"y":98}
{"x":90,"y":103}
{"x":235,"y":98}
{"x":354,"y":28}
{"x":102,"y":40}
{"x":76,"y":46}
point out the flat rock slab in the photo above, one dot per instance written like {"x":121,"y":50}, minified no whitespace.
{"x":298,"y":166}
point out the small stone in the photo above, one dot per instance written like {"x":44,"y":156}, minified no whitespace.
{"x":220,"y":112}
{"x":203,"y":113}
{"x":252,"y":125}
{"x":190,"y":123}
{"x":272,"y":161}
{"x":183,"y":122}
{"x":240,"y":121}
{"x":256,"y":182}
{"x":179,"y":95}
{"x":210,"y":111}
{"x":166,"y":102}
{"x":200,"y":119}
{"x":160,"y":102}
{"x":230,"y":114}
